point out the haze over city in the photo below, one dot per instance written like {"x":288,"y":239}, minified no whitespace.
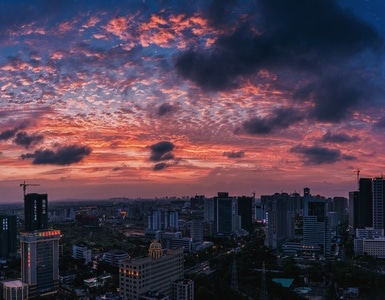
{"x":131,"y":98}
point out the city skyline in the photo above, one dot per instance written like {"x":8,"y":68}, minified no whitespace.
{"x":156,"y":98}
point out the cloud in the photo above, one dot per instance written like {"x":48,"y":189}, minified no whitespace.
{"x":339,"y":138}
{"x":380,"y":124}
{"x":25,"y":140}
{"x":160,"y":166}
{"x":310,"y":38}
{"x":233,"y":154}
{"x":162,"y":151}
{"x":281,"y":118}
{"x":315,"y":155}
{"x":10,"y":133}
{"x":334,"y":96}
{"x":165,"y":109}
{"x":65,"y":155}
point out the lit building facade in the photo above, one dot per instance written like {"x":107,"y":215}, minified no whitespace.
{"x":14,"y":290}
{"x":35,"y":212}
{"x":156,"y":272}
{"x":40,"y":261}
{"x":8,"y":236}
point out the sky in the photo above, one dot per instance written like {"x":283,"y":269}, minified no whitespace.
{"x":129,"y":98}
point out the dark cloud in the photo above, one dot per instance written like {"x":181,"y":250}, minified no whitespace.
{"x":65,"y":155}
{"x":233,"y":154}
{"x":306,"y":37}
{"x":217,"y":11}
{"x":10,"y":133}
{"x":160,"y":166}
{"x":25,"y":140}
{"x":315,"y":155}
{"x":165,"y":109}
{"x":162,"y":151}
{"x":338,"y":138}
{"x":280,"y":119}
{"x":380,"y":124}
{"x":334,"y":97}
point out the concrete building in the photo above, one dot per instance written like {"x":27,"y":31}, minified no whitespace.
{"x":155,"y":272}
{"x":378,"y":203}
{"x":196,"y":230}
{"x":183,"y":289}
{"x":13,"y":290}
{"x":223,"y":215}
{"x":82,"y":252}
{"x":316,"y":227}
{"x":245,"y":210}
{"x":114,"y":256}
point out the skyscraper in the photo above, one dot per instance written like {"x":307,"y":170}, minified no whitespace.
{"x":39,"y":248}
{"x":245,"y":210}
{"x":365,"y":203}
{"x":35,"y":212}
{"x":40,"y":261}
{"x":316,"y":228}
{"x":223,"y":214}
{"x":8,"y":233}
{"x":378,"y":203}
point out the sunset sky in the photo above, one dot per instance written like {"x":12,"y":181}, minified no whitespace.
{"x":150,"y":98}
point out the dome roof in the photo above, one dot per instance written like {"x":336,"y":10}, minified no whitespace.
{"x":155,"y":245}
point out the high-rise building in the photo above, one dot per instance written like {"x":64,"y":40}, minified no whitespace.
{"x":8,"y":236}
{"x":378,"y":203}
{"x":353,"y":211}
{"x":35,"y":212}
{"x":209,"y":210}
{"x":156,"y":272}
{"x":245,"y":210}
{"x":277,"y":218}
{"x":39,"y":248}
{"x":223,"y":214}
{"x":196,"y":230}
{"x":339,"y":206}
{"x":316,"y":228}
{"x":365,"y":203}
{"x":40,"y":261}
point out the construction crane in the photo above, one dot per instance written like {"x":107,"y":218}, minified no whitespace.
{"x":24,"y":185}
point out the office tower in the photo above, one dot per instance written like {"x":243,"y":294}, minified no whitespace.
{"x":365,"y":203}
{"x":183,"y":289}
{"x":196,"y":230}
{"x":245,"y":210}
{"x":378,"y":203}
{"x":171,"y":219}
{"x":154,"y":219}
{"x":8,"y":236}
{"x":223,"y":214}
{"x":35,"y":212}
{"x":39,"y":248}
{"x":197,"y":202}
{"x":209,"y":210}
{"x":339,"y":206}
{"x":40,"y":261}
{"x":353,"y":211}
{"x":156,"y":272}
{"x":276,"y":218}
{"x":316,"y":229}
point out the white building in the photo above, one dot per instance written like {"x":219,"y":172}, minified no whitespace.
{"x":82,"y":252}
{"x":183,"y":289}
{"x":155,"y":272}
